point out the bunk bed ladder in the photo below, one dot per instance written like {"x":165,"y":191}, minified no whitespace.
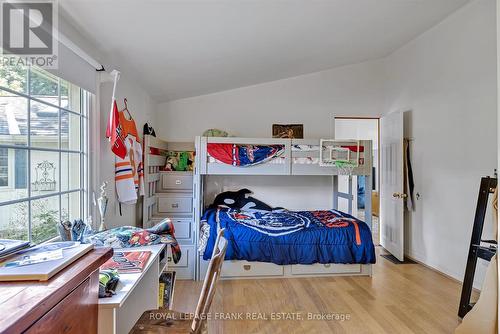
{"x":476,"y":249}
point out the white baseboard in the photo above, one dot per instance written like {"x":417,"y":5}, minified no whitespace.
{"x":458,"y":277}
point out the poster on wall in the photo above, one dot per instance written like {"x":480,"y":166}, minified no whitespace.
{"x":295,"y":131}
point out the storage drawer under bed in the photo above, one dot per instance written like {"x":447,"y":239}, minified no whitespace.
{"x":328,"y":268}
{"x":250,"y":269}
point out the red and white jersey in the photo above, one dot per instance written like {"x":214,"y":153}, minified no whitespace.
{"x":129,"y":172}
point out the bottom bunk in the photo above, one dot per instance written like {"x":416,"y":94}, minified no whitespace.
{"x":282,"y":243}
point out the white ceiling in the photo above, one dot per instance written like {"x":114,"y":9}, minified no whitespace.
{"x":184,"y":48}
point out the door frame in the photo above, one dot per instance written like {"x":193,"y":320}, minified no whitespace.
{"x":378,"y":153}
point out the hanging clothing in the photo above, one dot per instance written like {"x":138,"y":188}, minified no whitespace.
{"x":129,"y":173}
{"x":113,"y":132}
{"x":149,"y":130}
{"x":409,"y":184}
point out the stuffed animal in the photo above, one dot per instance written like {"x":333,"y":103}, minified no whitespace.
{"x":183,"y":162}
{"x":240,"y":200}
{"x":171,"y":163}
{"x":215,"y":133}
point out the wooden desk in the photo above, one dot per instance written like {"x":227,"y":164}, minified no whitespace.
{"x":135,"y":294}
{"x":58,"y":305}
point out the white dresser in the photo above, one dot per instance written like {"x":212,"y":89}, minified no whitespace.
{"x":175,"y":201}
{"x":170,"y":195}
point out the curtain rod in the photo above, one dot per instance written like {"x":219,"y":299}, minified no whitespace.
{"x":79,"y":52}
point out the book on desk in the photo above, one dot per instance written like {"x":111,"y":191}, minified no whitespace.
{"x":128,"y":262}
{"x":41,"y":262}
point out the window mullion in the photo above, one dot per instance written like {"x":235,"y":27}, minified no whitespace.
{"x":82,"y":166}
{"x":60,"y":148}
{"x":28,"y":91}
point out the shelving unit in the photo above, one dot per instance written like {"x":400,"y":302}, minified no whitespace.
{"x":170,"y":195}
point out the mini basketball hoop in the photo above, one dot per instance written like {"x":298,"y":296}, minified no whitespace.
{"x":344,"y":167}
{"x":340,"y":154}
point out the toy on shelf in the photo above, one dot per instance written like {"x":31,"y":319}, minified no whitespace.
{"x":179,"y":161}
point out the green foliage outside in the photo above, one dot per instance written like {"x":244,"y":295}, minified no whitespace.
{"x":44,"y":222}
{"x":42,"y":83}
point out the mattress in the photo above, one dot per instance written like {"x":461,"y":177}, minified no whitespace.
{"x":290,"y":237}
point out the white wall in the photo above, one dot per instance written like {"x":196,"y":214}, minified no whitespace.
{"x":142,"y":108}
{"x":447,"y":78}
{"x":250,"y":111}
{"x":310,"y":99}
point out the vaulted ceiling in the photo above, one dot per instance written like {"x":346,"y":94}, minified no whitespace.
{"x":186,"y":48}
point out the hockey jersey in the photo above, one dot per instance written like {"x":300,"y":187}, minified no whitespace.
{"x":129,"y":172}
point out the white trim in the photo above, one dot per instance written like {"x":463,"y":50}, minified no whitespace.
{"x":61,"y":38}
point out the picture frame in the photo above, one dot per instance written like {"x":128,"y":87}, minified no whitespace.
{"x":294,"y":131}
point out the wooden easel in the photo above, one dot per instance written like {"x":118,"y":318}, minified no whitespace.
{"x":484,"y":251}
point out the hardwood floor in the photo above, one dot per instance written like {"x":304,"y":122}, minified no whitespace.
{"x":408,"y":298}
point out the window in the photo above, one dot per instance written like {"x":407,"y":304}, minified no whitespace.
{"x":4,"y":167}
{"x":43,"y":153}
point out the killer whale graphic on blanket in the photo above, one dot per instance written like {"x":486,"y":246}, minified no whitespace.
{"x":241,"y":200}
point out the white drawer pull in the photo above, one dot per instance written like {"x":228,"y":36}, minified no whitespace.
{"x":178,"y":182}
{"x":247,"y":267}
{"x":328,"y":265}
{"x":169,"y":259}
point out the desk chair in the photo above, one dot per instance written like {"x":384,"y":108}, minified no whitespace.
{"x":164,"y":321}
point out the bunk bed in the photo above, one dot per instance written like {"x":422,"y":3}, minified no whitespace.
{"x":271,"y":156}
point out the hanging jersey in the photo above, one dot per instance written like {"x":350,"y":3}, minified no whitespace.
{"x":113,"y":132}
{"x":129,"y":173}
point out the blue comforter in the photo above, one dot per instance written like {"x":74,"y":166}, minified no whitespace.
{"x":291,"y":237}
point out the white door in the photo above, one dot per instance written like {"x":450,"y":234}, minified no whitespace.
{"x":391,"y":185}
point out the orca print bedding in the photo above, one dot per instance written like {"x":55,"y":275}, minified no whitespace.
{"x":289,"y":237}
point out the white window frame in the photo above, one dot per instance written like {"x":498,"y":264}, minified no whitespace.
{"x":87,"y":105}
{"x":10,"y":171}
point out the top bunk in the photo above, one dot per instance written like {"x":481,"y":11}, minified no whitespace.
{"x":282,"y":156}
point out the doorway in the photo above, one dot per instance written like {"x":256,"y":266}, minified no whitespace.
{"x":362,"y":128}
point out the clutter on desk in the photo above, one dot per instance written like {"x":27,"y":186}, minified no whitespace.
{"x":108,"y":281}
{"x":129,"y":262}
{"x":41,"y":262}
{"x":9,"y":247}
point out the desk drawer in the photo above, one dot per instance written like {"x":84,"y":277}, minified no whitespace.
{"x":66,"y":317}
{"x":175,"y":204}
{"x":176,"y":181}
